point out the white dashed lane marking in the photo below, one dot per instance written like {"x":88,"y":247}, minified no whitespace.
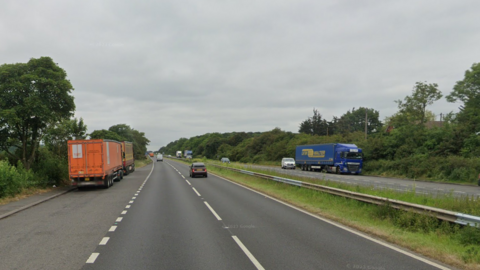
{"x":196,"y":192}
{"x":104,"y":241}
{"x":93,"y":257}
{"x":213,"y":211}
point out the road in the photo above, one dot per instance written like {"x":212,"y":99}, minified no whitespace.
{"x":159,"y":218}
{"x":420,"y":187}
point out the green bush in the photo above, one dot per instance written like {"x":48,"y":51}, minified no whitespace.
{"x":14,"y":179}
{"x":50,"y":168}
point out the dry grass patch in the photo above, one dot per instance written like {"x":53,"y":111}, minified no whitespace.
{"x":24,"y":194}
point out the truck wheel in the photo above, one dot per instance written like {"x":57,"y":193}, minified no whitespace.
{"x":337,"y":171}
{"x":106,"y":182}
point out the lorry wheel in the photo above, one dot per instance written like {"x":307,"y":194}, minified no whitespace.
{"x":106,"y":182}
{"x":337,"y":171}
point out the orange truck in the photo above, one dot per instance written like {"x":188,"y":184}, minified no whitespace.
{"x":127,"y":158}
{"x":94,"y":162}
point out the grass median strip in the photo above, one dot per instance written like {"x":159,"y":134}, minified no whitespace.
{"x":452,"y":244}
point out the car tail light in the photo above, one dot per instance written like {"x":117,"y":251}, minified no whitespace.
{"x":205,"y":170}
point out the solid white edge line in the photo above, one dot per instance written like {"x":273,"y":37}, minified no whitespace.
{"x":407,"y":253}
{"x":247,"y":252}
{"x":112,"y":229}
{"x":104,"y":241}
{"x":196,"y":192}
{"x":213,"y":211}
{"x":93,"y":257}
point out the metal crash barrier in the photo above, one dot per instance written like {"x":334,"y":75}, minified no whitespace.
{"x":441,"y":214}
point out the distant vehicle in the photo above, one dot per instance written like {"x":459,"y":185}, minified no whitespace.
{"x":198,"y":168}
{"x":94,"y":162}
{"x":151,"y":154}
{"x":179,"y":154}
{"x":288,"y":163}
{"x":188,"y":154}
{"x":225,"y":160}
{"x":159,"y":157}
{"x":332,"y":157}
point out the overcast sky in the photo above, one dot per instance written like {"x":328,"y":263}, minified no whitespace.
{"x":177,"y":69}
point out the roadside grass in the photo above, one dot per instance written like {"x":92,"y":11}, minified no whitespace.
{"x":464,"y":204}
{"x":24,"y":194}
{"x":449,"y":243}
{"x":139,"y":163}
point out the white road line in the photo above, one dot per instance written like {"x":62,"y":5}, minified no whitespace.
{"x":196,"y":192}
{"x":112,"y":229}
{"x":133,"y":198}
{"x":93,"y":257}
{"x":119,"y":219}
{"x":188,"y":182}
{"x":136,"y":194}
{"x":124,"y":212}
{"x":385,"y":244}
{"x":247,"y":252}
{"x":104,"y":241}
{"x":183,"y":177}
{"x":128,"y":206}
{"x":130,"y":202}
{"x":213,"y":211}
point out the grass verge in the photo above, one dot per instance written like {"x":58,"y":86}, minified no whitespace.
{"x":464,"y":204}
{"x":24,"y":194}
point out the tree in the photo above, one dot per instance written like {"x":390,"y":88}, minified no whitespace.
{"x":468,"y":92}
{"x":57,"y":136}
{"x":314,"y":125}
{"x":123,"y":130}
{"x":106,"y":134}
{"x":33,"y":96}
{"x":354,"y":120}
{"x":423,"y":94}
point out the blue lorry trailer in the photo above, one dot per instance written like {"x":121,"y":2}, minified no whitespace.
{"x":331,"y":157}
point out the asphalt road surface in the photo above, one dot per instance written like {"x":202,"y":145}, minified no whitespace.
{"x":403,"y":185}
{"x":159,"y":218}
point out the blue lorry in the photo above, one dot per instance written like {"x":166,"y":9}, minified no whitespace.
{"x":331,"y":157}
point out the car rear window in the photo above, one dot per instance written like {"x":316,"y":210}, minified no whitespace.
{"x":198,"y":165}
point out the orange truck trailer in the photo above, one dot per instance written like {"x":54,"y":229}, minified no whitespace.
{"x":127,"y":158}
{"x":94,"y":162}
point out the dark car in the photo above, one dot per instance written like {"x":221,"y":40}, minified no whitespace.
{"x":198,"y":168}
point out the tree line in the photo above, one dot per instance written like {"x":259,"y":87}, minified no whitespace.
{"x":36,"y":110}
{"x":407,"y":144}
